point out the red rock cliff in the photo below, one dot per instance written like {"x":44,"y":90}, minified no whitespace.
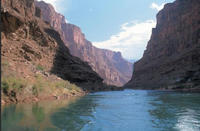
{"x":108,"y":64}
{"x":28,"y":44}
{"x":172,"y":57}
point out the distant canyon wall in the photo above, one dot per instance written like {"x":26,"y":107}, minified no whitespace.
{"x":108,"y":64}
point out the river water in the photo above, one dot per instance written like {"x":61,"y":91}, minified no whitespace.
{"x":128,"y":110}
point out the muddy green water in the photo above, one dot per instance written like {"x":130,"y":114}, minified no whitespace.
{"x":128,"y":110}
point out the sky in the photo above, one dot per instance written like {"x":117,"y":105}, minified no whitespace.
{"x":118,"y":25}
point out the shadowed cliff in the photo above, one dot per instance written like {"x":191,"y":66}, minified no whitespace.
{"x":35,"y":62}
{"x":111,"y":66}
{"x":172,"y":57}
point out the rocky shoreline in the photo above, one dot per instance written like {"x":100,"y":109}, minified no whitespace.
{"x":33,"y":99}
{"x":37,"y":99}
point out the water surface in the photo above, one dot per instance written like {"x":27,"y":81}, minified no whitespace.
{"x":128,"y":110}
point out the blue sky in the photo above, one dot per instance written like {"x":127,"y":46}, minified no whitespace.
{"x":118,"y":25}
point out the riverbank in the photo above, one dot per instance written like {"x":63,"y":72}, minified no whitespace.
{"x":16,"y":97}
{"x":33,"y":99}
{"x":29,"y":83}
{"x":25,"y":82}
{"x":19,"y":98}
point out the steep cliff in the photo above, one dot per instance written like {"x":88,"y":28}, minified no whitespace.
{"x":108,"y":64}
{"x":34,"y":57}
{"x":172,"y":57}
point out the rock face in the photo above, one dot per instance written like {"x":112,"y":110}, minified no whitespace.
{"x":28,"y":41}
{"x":108,"y":64}
{"x":172,"y":57}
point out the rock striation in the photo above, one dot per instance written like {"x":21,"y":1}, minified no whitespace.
{"x":29,"y":42}
{"x":172,"y":57}
{"x":108,"y":64}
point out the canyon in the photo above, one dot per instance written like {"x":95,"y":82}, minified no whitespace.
{"x":172,"y":58}
{"x":43,"y":57}
{"x":53,"y":78}
{"x":36,"y":64}
{"x":111,"y":66}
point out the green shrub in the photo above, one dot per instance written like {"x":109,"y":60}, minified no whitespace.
{"x":73,"y":87}
{"x":4,"y":87}
{"x":10,"y":83}
{"x":39,"y":84}
{"x":35,"y":90}
{"x":40,"y":67}
{"x":60,"y":84}
{"x":67,"y":85}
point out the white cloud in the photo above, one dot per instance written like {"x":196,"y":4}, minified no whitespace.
{"x":66,"y":21}
{"x":132,"y":39}
{"x":57,"y":4}
{"x":54,"y":3}
{"x":157,"y":7}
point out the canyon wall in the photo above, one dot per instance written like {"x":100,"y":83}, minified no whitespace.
{"x":30,"y":47}
{"x":108,"y":64}
{"x":172,"y":57}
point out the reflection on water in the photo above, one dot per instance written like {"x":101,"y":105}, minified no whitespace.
{"x":38,"y":113}
{"x":10,"y":117}
{"x":31,"y":117}
{"x":108,"y":111}
{"x":72,"y":117}
{"x":176,"y":111}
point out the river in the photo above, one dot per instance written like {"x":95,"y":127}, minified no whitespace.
{"x":128,"y":110}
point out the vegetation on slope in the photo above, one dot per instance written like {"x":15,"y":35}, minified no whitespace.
{"x":16,"y":88}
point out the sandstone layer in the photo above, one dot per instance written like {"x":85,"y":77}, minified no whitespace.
{"x":108,"y":64}
{"x":172,"y":57}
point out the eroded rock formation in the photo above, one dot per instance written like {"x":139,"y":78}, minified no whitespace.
{"x":108,"y":64}
{"x":172,"y":57}
{"x":29,"y":43}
